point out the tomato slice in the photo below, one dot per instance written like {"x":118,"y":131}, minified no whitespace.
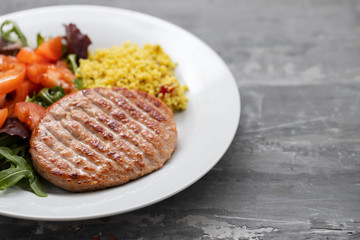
{"x":19,"y":95}
{"x":35,"y":71}
{"x":58,"y":76}
{"x":51,"y":49}
{"x":3,"y":115}
{"x":12,"y":74}
{"x":51,"y":75}
{"x":2,"y":100}
{"x":28,"y":56}
{"x":29,"y":113}
{"x":62,"y":63}
{"x":21,"y":92}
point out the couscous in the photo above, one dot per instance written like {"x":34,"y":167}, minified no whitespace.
{"x":147,"y":69}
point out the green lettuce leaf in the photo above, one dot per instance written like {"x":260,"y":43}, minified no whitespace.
{"x":16,"y":168}
{"x":47,"y":96}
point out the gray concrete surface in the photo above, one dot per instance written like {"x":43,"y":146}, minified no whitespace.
{"x":293,"y":169}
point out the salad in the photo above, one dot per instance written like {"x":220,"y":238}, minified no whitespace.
{"x":31,"y":79}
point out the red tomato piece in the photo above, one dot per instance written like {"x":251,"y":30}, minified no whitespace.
{"x":62,"y":63}
{"x":2,"y":100}
{"x":28,"y":56}
{"x":21,"y":92}
{"x":51,"y":75}
{"x":35,"y":71}
{"x":3,"y":116}
{"x":12,"y":74}
{"x":51,"y":49}
{"x":18,"y":95}
{"x":29,"y":113}
{"x":166,"y":89}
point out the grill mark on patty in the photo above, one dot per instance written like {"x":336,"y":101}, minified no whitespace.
{"x":146,"y":120}
{"x":118,"y":128}
{"x":126,"y":149}
{"x":95,"y":142}
{"x":85,"y":152}
{"x":52,"y":159}
{"x":142,"y":96}
{"x":145,"y":133}
{"x":66,"y":160}
{"x":156,"y":127}
{"x":129,"y":136}
{"x":115,"y":157}
{"x":154,"y":101}
{"x":132,"y":111}
{"x":55,"y":170}
{"x":131,"y":125}
{"x":154,"y":113}
{"x":138,"y":131}
{"x":136,"y":125}
{"x":58,"y":149}
{"x":124,"y":135}
{"x":47,"y":143}
{"x":87,"y":141}
{"x":96,"y":146}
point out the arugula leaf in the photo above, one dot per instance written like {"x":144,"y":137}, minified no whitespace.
{"x":20,"y":150}
{"x":18,"y":169}
{"x":37,"y":187}
{"x":39,"y":39}
{"x":71,"y":62}
{"x":12,"y":30}
{"x":11,"y":176}
{"x":78,"y":83}
{"x":47,"y":96}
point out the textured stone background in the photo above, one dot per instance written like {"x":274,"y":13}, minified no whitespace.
{"x":293,"y":169}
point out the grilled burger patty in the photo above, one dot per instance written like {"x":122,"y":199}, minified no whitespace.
{"x":99,"y":138}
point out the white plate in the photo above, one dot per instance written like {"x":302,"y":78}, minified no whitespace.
{"x":206,"y":128}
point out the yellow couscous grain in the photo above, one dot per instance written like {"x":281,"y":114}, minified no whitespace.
{"x":147,"y":69}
